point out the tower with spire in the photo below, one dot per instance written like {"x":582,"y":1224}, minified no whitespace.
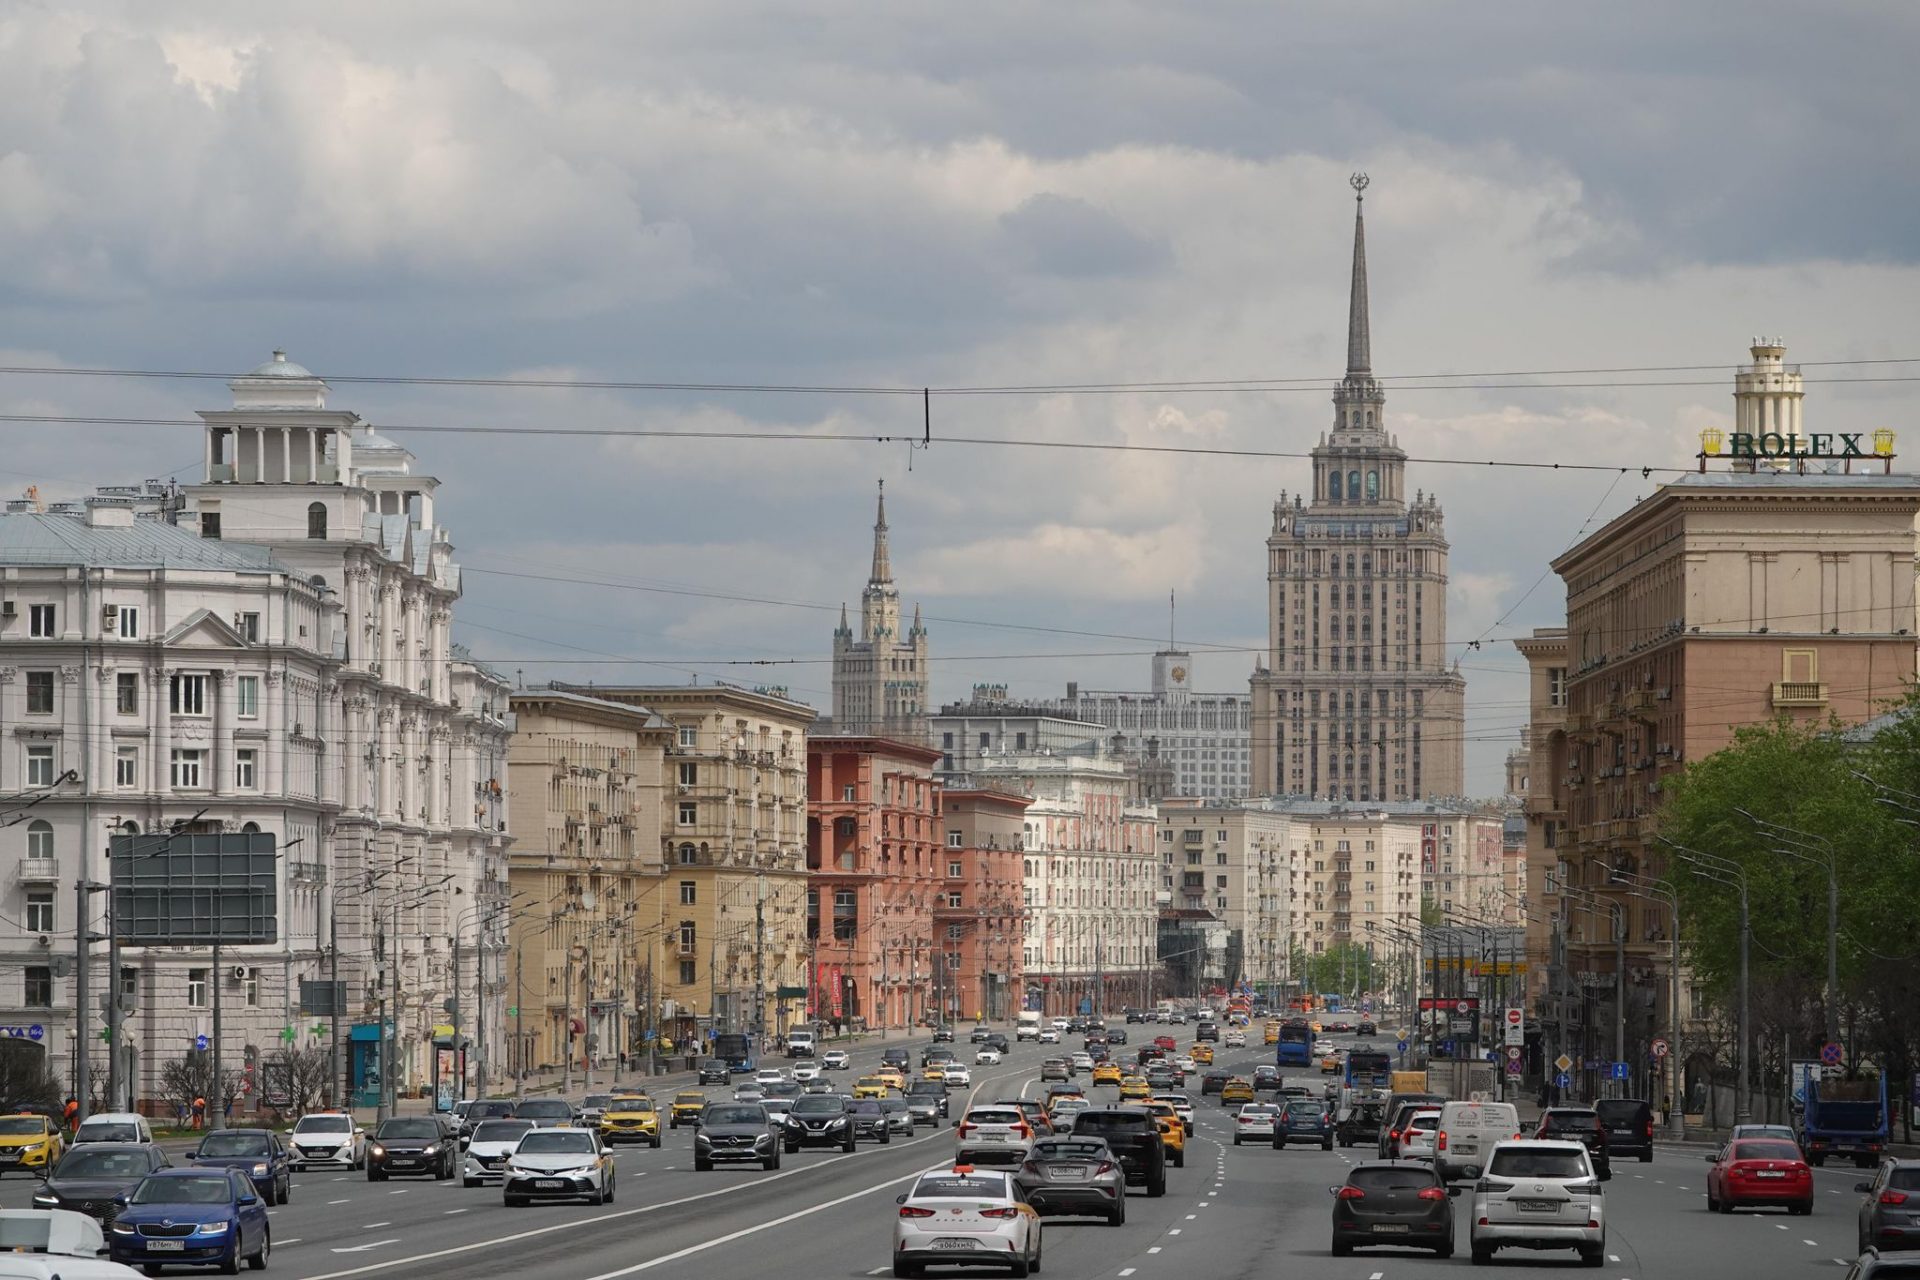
{"x":881,"y":675}
{"x":1356,"y":698}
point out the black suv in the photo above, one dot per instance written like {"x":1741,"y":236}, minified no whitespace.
{"x":978,"y":1035}
{"x":1208,"y":1030}
{"x":896,"y":1058}
{"x":411,"y":1144}
{"x":713,"y":1071}
{"x":1366,"y":1029}
{"x":1891,"y":1199}
{"x":1629,"y":1123}
{"x":1886,"y":1264}
{"x":927,"y":1101}
{"x":819,"y":1120}
{"x":1582,"y":1125}
{"x":1134,"y":1137}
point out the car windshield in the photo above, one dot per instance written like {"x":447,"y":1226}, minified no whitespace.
{"x":953,"y":1186}
{"x":108,"y":1132}
{"x":597,"y":1100}
{"x":489,"y":1109}
{"x":545,"y":1109}
{"x":733,"y":1115}
{"x":16,"y":1126}
{"x":549,"y":1142}
{"x":501,"y":1130}
{"x":1571,"y":1121}
{"x":105,"y":1164}
{"x":1765,"y":1151}
{"x":997,"y":1116}
{"x":1306,"y":1110}
{"x":1620,"y":1110}
{"x":207,"y":1190}
{"x":1518,"y":1162}
{"x":324,"y":1124}
{"x":1398,"y":1178}
{"x":864,"y":1107}
{"x":893,"y":1104}
{"x":625,"y":1105}
{"x":231,"y":1143}
{"x":819,"y":1104}
{"x":930,"y":1088}
{"x":408,"y":1129}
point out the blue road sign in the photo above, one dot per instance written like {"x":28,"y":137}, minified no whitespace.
{"x":1401,"y":1047}
{"x":1562,"y":1080}
{"x":200,"y":1042}
{"x":1446,"y":1047}
{"x":1620,"y":1071}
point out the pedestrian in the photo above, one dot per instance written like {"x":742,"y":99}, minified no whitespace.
{"x":72,"y":1113}
{"x":199,"y":1113}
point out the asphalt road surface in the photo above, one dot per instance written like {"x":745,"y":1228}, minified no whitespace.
{"x":1231,"y":1212}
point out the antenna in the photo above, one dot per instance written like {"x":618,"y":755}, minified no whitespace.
{"x":1171,"y":628}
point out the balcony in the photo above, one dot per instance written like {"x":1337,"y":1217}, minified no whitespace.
{"x":38,"y":870}
{"x":1800,"y":693}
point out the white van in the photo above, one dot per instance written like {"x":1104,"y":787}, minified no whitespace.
{"x":113,"y":1126}
{"x":1027,"y":1025}
{"x":1466,"y":1136}
{"x":800,"y":1043}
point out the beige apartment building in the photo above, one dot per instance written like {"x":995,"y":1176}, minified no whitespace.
{"x":1545,"y":796}
{"x":1231,"y":860}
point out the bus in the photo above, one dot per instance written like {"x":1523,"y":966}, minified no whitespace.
{"x":1368,"y":1068}
{"x":734,"y":1050}
{"x":1295,"y":1044}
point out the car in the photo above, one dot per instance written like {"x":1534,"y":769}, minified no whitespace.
{"x":740,"y":1133}
{"x":30,"y":1142}
{"x":965,"y":1217}
{"x":1116,"y":1035}
{"x":995,"y":1040}
{"x":767,"y":1076}
{"x":715,"y":1071}
{"x":1783,"y":1132}
{"x":546,"y":1113}
{"x":1061,"y":1024}
{"x":630,"y":1118}
{"x":936,"y":1055}
{"x":987,"y":1057}
{"x":835,"y":1060}
{"x":412,"y":1145}
{"x":1106,"y":1073}
{"x":871,"y":1087}
{"x":801,"y":1042}
{"x":1885,"y":1264}
{"x":1629,"y":1125}
{"x":1055,"y":1069}
{"x":89,"y":1177}
{"x":488,"y":1148}
{"x":1034,"y":1110}
{"x":1181,"y":1104}
{"x":822,"y":1085}
{"x":1330,"y":1064}
{"x":1467,"y":1131}
{"x":481,"y":1109}
{"x":1064,"y":1089}
{"x":254,"y":1152}
{"x":1075,"y":1026}
{"x":748,"y":1091}
{"x":1235,"y":1038}
{"x":1359,"y":1123}
{"x":1536,"y":1194}
{"x":869,"y":1120}
{"x":1322,"y":1047}
{"x":1235,"y":1091}
{"x":1200,"y":1055}
{"x":1366,"y":1029}
{"x":1074,"y":1178}
{"x":805,"y":1071}
{"x":1165,"y":1044}
{"x":1305,"y":1120}
{"x":788,"y":1089}
{"x":958,"y":1076}
{"x":1266,"y":1078}
{"x":1256,"y":1122}
{"x":897,"y":1058}
{"x":1138,"y":1015}
{"x":1136,"y":1140}
{"x":113,"y":1126}
{"x":1340,"y":1028}
{"x":927,"y":1102}
{"x":1048,"y":1036}
{"x":1082,"y":1061}
{"x":685,"y":1108}
{"x":1207,"y":1030}
{"x":993,"y":1134}
{"x":1577,"y":1124}
{"x":818,"y":1120}
{"x":978,"y":1035}
{"x":1177,"y":1018}
{"x":1395,"y":1204}
{"x":592,"y":1107}
{"x":1061,"y":1111}
{"x":1399,"y":1107}
{"x":1139,"y":1086}
{"x":55,"y":1244}
{"x":943,"y":1035}
{"x":558,"y":1164}
{"x":192,"y":1217}
{"x":1173,"y":1130}
{"x":899,"y":1118}
{"x":327,"y":1140}
{"x":1185,"y":1064}
{"x":1761,"y":1171}
{"x":1213,"y":1079}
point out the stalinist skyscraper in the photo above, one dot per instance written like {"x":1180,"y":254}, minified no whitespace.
{"x":1357,"y":700}
{"x":881,"y":676}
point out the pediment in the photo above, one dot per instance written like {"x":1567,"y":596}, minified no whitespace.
{"x":204,"y":629}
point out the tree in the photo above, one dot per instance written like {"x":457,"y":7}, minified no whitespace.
{"x":185,"y":1079}
{"x":24,"y":1078}
{"x":304,"y":1076}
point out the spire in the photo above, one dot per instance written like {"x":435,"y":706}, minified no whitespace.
{"x":882,"y":565}
{"x":844,"y":628}
{"x":1359,"y":339}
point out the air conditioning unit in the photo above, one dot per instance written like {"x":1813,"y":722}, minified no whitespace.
{"x":109,"y":616}
{"x":44,"y":941}
{"x":238,"y":973}
{"x":6,"y":609}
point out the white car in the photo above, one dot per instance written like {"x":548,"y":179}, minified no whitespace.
{"x":559,"y":1164}
{"x":992,"y":1135}
{"x":1081,"y":1061}
{"x":1064,"y":1110}
{"x":957,"y":1075}
{"x":1322,"y":1047}
{"x":834,"y":1060}
{"x":1255,"y":1122}
{"x":1049,"y":1036}
{"x":964,"y":1219}
{"x":1235,"y":1039}
{"x":806,"y":1071}
{"x":1539,"y":1195}
{"x":768,"y":1075}
{"x":1416,"y":1140}
{"x":1185,"y":1065}
{"x":1060,"y":1024}
{"x":492,"y":1142}
{"x":1182,"y":1106}
{"x":327,"y":1139}
{"x":987,"y":1057}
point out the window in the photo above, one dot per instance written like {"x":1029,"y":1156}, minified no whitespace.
{"x":847,"y":793}
{"x":1020,"y":741}
{"x":40,"y":622}
{"x":248,"y":625}
{"x":687,"y":938}
{"x":317,"y":521}
{"x":129,"y":622}
{"x":687,"y":973}
{"x":955,"y":840}
{"x":689,"y":813}
{"x":126,"y":693}
{"x":689,"y":894}
{"x":1556,"y":686}
{"x":39,"y":693}
{"x":210,"y":525}
{"x":246,"y":697}
{"x":39,"y":766}
{"x":688,"y":856}
{"x":40,"y":838}
{"x":39,"y":987}
{"x":246,"y":769}
{"x":126,"y":768}
{"x":689,"y":774}
{"x":189,"y":695}
{"x":1220,"y":858}
{"x":946,"y":741}
{"x":40,"y":911}
{"x":250,"y":988}
{"x":954,"y":870}
{"x":1219,"y":882}
{"x":688,"y":735}
{"x":186,"y":767}
{"x":196,"y":988}
{"x":984,"y":739}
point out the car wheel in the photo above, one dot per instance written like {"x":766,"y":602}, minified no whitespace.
{"x":1236,"y":1139}
{"x":1713,"y":1206}
{"x":1279,"y":1144}
{"x":230,"y":1265}
{"x":1482,"y":1254}
{"x":516,"y":1202}
{"x":1327,"y":1145}
{"x":258,"y":1261}
{"x":701,"y":1165}
{"x":1018,"y":1269}
{"x":847,"y":1146}
{"x":1594,"y":1257}
{"x":886,"y":1136}
{"x":771,"y":1163}
{"x":655,"y":1144}
{"x":906,"y":1271}
{"x":1646,"y":1157}
{"x":469,"y":1183}
{"x":151,"y":1269}
{"x":1158,"y":1187}
{"x":1342,"y":1250}
{"x":1444,"y":1249}
{"x":376,"y":1175}
{"x":1117,"y":1216}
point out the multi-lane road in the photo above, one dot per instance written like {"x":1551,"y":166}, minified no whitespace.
{"x":1231,"y":1212}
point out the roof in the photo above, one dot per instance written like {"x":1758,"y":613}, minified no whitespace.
{"x":37,"y":538}
{"x":279,"y":367}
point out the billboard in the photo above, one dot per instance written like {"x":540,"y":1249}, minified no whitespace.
{"x":195,"y":890}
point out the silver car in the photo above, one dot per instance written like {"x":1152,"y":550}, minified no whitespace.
{"x":487,"y":1151}
{"x":558,"y":1164}
{"x":1539,"y":1195}
{"x":899,"y":1118}
{"x":1074,"y":1177}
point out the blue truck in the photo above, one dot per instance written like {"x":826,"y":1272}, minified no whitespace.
{"x":1845,"y":1118}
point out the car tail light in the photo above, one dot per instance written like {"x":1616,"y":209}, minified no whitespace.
{"x":1893,"y":1197}
{"x":1433,"y":1193}
{"x":1393,"y":1135}
{"x":1350,"y":1193}
{"x":1023,"y":1129}
{"x":1440,"y":1142}
{"x":909,"y":1211}
{"x":1105,"y":1166}
{"x":965,"y":1129}
{"x":1593,"y":1224}
{"x":1649,"y":1128}
{"x":998,"y":1213}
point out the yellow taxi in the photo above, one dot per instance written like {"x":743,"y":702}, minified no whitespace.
{"x":1173,"y":1131}
{"x":1272,"y":1034}
{"x":895,"y":1078}
{"x":686,"y":1108}
{"x":1235,"y":1090}
{"x":1329,"y":1064}
{"x":29,"y":1142}
{"x":1202,"y":1053}
{"x":630,"y":1118}
{"x":935,"y":1072}
{"x":872,"y":1087}
{"x":1134,"y":1087}
{"x":1107,"y":1073}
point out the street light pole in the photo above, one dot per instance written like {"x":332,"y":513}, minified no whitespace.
{"x":1725,"y":871}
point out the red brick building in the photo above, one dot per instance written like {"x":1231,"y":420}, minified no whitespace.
{"x":980,"y":913}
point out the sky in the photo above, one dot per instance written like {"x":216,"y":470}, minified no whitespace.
{"x":838,"y":195}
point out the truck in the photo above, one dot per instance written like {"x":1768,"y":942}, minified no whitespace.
{"x":1845,"y":1118}
{"x":1407,"y":1082}
{"x":1027,"y":1025}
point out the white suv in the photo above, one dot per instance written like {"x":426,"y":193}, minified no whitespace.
{"x":1539,"y":1195}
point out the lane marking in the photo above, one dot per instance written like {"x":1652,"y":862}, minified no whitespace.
{"x":1376,"y":1275}
{"x":1154,"y":1249}
{"x":330,"y":1203}
{"x":1613,"y":1257}
{"x":284,"y":1243}
{"x":1173,"y":1231}
{"x":362,"y":1248}
{"x":1192,"y":1216}
{"x":1814,"y":1243}
{"x":451,"y":1212}
{"x":369,"y":1226}
{"x":402,"y":1191}
{"x":1126,"y":1271}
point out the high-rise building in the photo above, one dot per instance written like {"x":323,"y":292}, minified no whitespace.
{"x":1199,"y":739}
{"x":881,"y":677}
{"x":1356,"y":700}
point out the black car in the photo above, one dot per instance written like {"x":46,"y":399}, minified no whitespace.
{"x":1582,"y":1125}
{"x":1886,"y":1264}
{"x":869,"y":1120}
{"x":713,"y":1071}
{"x":896,"y":1058}
{"x":1359,"y":1124}
{"x":998,"y":1041}
{"x":1162,"y":1079}
{"x":819,"y":1120}
{"x":1213,"y":1080}
{"x":927,"y":1101}
{"x":1137,"y":1015}
{"x":1134,"y":1136}
{"x":736,"y":1133}
{"x":410,"y":1144}
{"x":1629,"y":1123}
{"x":1076,"y":1026}
{"x":1116,"y":1035}
{"x":1887,"y":1214}
{"x":546,"y":1113}
{"x":1208,"y":1030}
{"x":1266,"y":1079}
{"x":254,"y":1152}
{"x":1074,"y":1177}
{"x":483,"y":1109}
{"x":89,"y":1177}
{"x":936,"y":1053}
{"x":1366,"y":1029}
{"x":1303,"y":1120}
{"x":1403,"y":1205}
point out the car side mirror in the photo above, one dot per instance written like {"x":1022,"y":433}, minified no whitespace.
{"x":193,"y":1153}
{"x":1454,"y":1192}
{"x":1710,"y":1159}
{"x":1863,"y":1186}
{"x":120,"y":1201}
{"x":901,"y":1198}
{"x":249,"y":1200}
{"x":1333,"y":1191}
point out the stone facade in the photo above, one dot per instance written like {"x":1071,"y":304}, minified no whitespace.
{"x":979,"y":918}
{"x":1201,"y":739}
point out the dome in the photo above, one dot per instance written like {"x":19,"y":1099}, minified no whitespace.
{"x":280,"y":367}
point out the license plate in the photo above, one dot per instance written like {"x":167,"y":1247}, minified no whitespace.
{"x":167,"y":1246}
{"x":1537,"y":1206}
{"x":550,"y":1184}
{"x":992,"y":1137}
{"x":1769,"y":1173}
{"x":402,"y":1162}
{"x":955,"y":1242}
{"x":1389,"y":1228}
{"x":1067,"y":1175}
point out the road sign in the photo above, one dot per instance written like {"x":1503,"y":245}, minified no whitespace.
{"x":200,"y":1043}
{"x":1563,"y":1080}
{"x":1565,"y":1064}
{"x":1513,"y":1066}
{"x":1516,"y":1018}
{"x":1660,"y":1048}
{"x":1513,"y":1053}
{"x":1620,"y":1070}
{"x":1446,"y":1047}
{"x":1400,"y":1046}
{"x":1831,"y":1053}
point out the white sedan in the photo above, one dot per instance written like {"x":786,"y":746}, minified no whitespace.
{"x":768,"y":1075}
{"x":559,"y":1164}
{"x":1081,"y":1061}
{"x":1322,"y":1046}
{"x":987,"y":1057}
{"x":956,"y":1075}
{"x":834,"y":1060}
{"x":1049,"y":1036}
{"x":1185,"y":1065}
{"x":964,"y":1219}
{"x":1255,"y":1122}
{"x":1235,"y":1040}
{"x":805,"y":1071}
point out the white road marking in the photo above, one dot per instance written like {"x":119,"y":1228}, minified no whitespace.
{"x":1173,"y":1231}
{"x":1613,"y":1257}
{"x":368,"y":1226}
{"x":1814,"y":1243}
{"x":1192,"y":1216}
{"x":362,"y":1248}
{"x":284,"y":1243}
{"x":451,"y":1212}
{"x":1376,"y":1275}
{"x":334,"y":1202}
{"x":1126,"y":1271}
{"x":402,"y":1191}
{"x":1778,"y":1226}
{"x":1154,"y":1249}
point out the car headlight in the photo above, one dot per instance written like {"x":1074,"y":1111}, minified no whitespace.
{"x":763,"y":1139}
{"x":836,"y":1122}
{"x":260,"y":1171}
{"x":121,"y":1229}
{"x":433,"y":1149}
{"x":212,"y":1229}
{"x":43,"y":1200}
{"x":377,"y":1149}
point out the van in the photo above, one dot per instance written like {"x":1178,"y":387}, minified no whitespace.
{"x":1629,"y":1126}
{"x":800,"y":1043}
{"x":113,"y":1126}
{"x":1467,"y":1133}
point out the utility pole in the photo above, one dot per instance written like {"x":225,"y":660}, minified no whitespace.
{"x":217,"y":1105}
{"x":586,"y":1012}
{"x":116,"y":1099}
{"x":336,"y":1084}
{"x":1619,"y":989}
{"x":519,"y":1040}
{"x":453,"y":1011}
{"x":566,"y":1024}
{"x":82,"y":940}
{"x":759,"y":959}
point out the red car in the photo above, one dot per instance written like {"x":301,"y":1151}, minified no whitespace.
{"x":1759,"y":1171}
{"x":1165,"y":1042}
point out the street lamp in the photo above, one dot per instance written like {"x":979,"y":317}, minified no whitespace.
{"x":1659,"y":891}
{"x":1725,"y":871}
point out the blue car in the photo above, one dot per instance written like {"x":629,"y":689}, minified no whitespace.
{"x":192,"y":1218}
{"x":1304,"y":1120}
{"x":257,"y":1153}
